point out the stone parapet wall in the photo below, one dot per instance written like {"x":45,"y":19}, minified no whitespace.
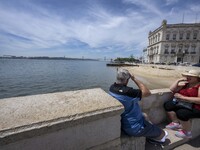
{"x":153,"y":105}
{"x":65,"y":120}
{"x":84,"y":119}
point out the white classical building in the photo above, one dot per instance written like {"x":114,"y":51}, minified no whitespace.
{"x":172,"y":43}
{"x":144,"y":57}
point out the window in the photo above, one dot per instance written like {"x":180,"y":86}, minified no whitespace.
{"x":180,"y":48}
{"x":167,"y":37}
{"x":166,"y":49}
{"x":181,"y":36}
{"x":188,"y":36}
{"x":193,"y":51}
{"x":174,"y":36}
{"x":173,"y":49}
{"x":186,"y":49}
{"x":195,"y":35}
{"x":157,"y":49}
{"x":158,"y":36}
{"x":154,"y":50}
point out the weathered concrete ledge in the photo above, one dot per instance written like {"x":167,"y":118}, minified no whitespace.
{"x":92,"y":112}
{"x":153,"y":105}
{"x":84,"y":119}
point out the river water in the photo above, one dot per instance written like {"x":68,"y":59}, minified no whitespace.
{"x":20,"y":77}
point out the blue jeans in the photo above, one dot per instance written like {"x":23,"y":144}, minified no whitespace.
{"x":149,"y":131}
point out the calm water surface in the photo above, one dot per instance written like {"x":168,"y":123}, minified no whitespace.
{"x":20,"y":77}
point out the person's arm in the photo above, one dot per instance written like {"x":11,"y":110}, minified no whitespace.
{"x":195,"y":100}
{"x":175,"y":86}
{"x":145,"y":91}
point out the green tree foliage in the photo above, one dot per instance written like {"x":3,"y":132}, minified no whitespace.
{"x":125,"y":59}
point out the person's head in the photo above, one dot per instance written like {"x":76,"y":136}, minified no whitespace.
{"x":193,"y":76}
{"x":122,"y":76}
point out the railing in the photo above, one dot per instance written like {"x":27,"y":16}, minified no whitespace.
{"x":192,"y":52}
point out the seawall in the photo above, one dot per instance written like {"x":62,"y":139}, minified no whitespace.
{"x":83,"y":119}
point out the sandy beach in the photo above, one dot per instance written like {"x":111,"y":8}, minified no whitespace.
{"x":156,"y":77}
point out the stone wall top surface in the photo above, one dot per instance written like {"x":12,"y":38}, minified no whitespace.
{"x":46,"y":108}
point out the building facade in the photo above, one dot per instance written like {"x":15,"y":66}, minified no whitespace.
{"x":144,"y":57}
{"x":174,"y":43}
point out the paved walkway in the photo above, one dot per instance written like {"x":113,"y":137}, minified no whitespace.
{"x":190,"y":145}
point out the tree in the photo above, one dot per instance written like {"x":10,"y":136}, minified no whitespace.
{"x":125,"y":59}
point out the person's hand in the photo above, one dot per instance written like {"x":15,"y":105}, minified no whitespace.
{"x":179,"y":96}
{"x":132,"y":76}
{"x":182,"y":81}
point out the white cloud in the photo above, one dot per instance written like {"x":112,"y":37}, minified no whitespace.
{"x":171,"y":2}
{"x":146,"y":6}
{"x":101,"y":30}
{"x":51,"y":31}
{"x":195,"y":8}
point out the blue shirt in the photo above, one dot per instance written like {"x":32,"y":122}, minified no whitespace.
{"x":132,"y":117}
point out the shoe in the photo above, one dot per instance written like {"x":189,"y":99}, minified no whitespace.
{"x":173,"y":126}
{"x":183,"y":134}
{"x":162,"y":141}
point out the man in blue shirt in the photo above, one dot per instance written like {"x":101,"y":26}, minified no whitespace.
{"x":133,"y":122}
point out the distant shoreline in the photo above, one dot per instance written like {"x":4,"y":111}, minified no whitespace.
{"x":48,"y":58}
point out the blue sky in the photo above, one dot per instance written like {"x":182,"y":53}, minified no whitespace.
{"x":89,"y":28}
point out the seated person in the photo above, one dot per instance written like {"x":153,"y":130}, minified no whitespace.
{"x":189,"y":92}
{"x":133,"y":122}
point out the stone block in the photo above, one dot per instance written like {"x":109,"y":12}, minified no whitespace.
{"x":65,"y":120}
{"x":132,"y":143}
{"x":195,"y":127}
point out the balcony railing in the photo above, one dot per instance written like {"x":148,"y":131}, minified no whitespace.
{"x":192,"y":52}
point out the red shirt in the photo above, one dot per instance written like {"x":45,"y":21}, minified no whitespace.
{"x":191,"y":92}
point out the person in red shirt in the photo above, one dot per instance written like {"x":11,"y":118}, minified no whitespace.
{"x":188,"y":91}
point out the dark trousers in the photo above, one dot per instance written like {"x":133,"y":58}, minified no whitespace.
{"x":182,"y":113}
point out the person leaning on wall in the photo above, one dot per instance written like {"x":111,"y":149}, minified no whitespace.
{"x":188,"y":91}
{"x":133,"y":122}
